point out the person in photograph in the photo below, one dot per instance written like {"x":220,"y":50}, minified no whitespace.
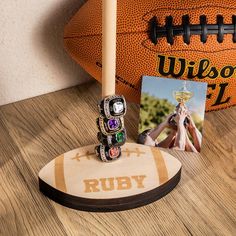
{"x":149,"y":136}
{"x":194,"y":133}
{"x":178,"y":137}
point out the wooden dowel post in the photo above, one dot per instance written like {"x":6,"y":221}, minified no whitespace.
{"x":109,"y":21}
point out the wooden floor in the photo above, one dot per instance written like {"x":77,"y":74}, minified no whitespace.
{"x":35,"y":131}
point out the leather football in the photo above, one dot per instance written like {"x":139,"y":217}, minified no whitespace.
{"x":194,"y":40}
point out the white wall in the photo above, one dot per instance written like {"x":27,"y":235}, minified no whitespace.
{"x":32,"y":58}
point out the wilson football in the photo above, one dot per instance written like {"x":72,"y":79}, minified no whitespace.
{"x":193,"y":40}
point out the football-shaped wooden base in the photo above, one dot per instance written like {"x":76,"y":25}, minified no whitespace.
{"x":79,"y":180}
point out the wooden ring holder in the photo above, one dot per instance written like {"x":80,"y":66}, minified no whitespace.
{"x":79,"y":180}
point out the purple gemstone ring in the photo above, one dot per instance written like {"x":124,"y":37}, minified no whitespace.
{"x":110,"y":126}
{"x":113,"y":124}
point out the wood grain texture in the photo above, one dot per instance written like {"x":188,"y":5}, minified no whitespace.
{"x":35,"y":131}
{"x":79,"y":180}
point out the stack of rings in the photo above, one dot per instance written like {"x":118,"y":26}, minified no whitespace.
{"x":110,"y":123}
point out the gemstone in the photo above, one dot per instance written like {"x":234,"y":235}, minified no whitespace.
{"x":114,"y":152}
{"x":120,"y":137}
{"x":118,"y":107}
{"x":113,"y":124}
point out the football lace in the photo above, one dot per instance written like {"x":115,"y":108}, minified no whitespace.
{"x":186,"y":29}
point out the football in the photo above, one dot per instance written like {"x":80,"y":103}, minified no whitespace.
{"x":79,"y":180}
{"x":187,"y":40}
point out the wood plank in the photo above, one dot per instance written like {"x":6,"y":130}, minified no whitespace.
{"x":35,"y":131}
{"x":23,"y":211}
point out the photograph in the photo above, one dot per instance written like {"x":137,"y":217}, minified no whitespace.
{"x":172,"y":113}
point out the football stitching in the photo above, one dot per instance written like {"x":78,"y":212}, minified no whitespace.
{"x":187,"y":30}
